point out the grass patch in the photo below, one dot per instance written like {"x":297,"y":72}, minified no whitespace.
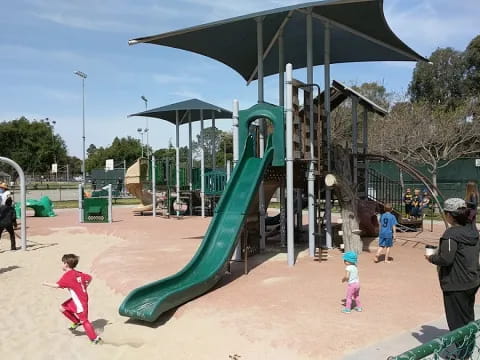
{"x":73,"y":204}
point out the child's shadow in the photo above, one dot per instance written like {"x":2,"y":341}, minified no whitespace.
{"x":381,"y":258}
{"x":98,"y":325}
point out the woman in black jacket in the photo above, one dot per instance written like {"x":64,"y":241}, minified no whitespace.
{"x":7,"y":220}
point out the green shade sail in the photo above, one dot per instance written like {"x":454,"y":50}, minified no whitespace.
{"x":192,"y":106}
{"x":358,"y":30}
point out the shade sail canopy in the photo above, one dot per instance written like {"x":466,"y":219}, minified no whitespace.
{"x":192,"y":106}
{"x":358,"y":32}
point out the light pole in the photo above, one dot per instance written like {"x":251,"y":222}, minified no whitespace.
{"x":141,"y":132}
{"x":146,"y":127}
{"x":83,"y":76}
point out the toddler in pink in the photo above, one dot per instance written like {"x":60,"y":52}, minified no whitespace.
{"x":353,"y":282}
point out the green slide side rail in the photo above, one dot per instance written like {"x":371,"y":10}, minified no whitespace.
{"x":208,"y":265}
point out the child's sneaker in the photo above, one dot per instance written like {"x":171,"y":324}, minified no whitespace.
{"x":359,"y":309}
{"x":346,"y":311}
{"x":97,"y":340}
{"x":74,"y":326}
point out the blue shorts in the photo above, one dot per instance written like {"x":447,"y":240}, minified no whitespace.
{"x":385,"y":242}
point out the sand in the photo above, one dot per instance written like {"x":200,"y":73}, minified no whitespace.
{"x":274,"y":312}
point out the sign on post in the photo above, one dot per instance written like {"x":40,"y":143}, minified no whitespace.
{"x":477,"y":162}
{"x":108,"y":164}
{"x":54,"y":168}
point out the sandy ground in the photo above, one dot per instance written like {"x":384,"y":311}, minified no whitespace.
{"x":274,"y":312}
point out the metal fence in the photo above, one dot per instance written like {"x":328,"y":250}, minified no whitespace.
{"x":458,"y":344}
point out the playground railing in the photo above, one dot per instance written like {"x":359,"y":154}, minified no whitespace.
{"x":458,"y":344}
{"x":215,"y":182}
{"x":385,"y":190}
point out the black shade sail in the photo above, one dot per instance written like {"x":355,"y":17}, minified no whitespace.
{"x":192,"y":106}
{"x":358,"y":32}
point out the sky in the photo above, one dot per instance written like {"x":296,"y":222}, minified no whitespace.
{"x":43,"y":42}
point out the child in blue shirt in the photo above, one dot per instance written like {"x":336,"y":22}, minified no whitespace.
{"x":385,"y":236}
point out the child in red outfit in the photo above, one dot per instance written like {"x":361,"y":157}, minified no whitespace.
{"x":76,"y":308}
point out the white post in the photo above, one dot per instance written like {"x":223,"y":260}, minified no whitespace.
{"x":235,"y":132}
{"x":23,"y":199}
{"x":281,"y":102}
{"x":202,"y":165}
{"x":311,"y":165}
{"x":154,"y":190}
{"x":80,"y":202}
{"x":110,"y":212}
{"x":228,"y":170}
{"x":261,"y":191}
{"x":289,"y":146}
{"x":177,"y":159}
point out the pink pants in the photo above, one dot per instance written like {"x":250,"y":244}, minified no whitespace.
{"x":353,"y":293}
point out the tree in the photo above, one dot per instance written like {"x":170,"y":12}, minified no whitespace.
{"x":440,"y":82}
{"x":472,"y":62}
{"x":223,"y":144}
{"x":32,"y":144}
{"x":122,"y":149}
{"x":430,"y":136}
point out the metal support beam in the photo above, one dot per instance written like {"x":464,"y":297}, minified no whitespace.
{"x":202,"y":165}
{"x":190,"y":157}
{"x":154,"y":188}
{"x":235,"y":132}
{"x":311,"y":165}
{"x":177,"y":159}
{"x":261,"y":192}
{"x":214,"y":153}
{"x":281,"y":102}
{"x":289,"y":170}
{"x":328,"y":191}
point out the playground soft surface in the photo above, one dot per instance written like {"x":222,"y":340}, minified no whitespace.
{"x":274,"y":312}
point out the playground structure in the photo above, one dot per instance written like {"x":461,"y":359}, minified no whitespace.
{"x":300,"y":150}
{"x":42,"y":207}
{"x":96,"y":209}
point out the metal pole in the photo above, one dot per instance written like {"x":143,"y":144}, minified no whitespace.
{"x":365,"y":149}
{"x":235,"y":132}
{"x":177,"y":159}
{"x":214,"y":153}
{"x":228,"y":170}
{"x":190,"y":161}
{"x":154,"y":190}
{"x":83,"y":129}
{"x":23,"y":199}
{"x":124,"y":174}
{"x":289,"y":146}
{"x":202,"y":165}
{"x":355,"y":140}
{"x":261,"y":192}
{"x":281,"y":102}
{"x":311,"y":165}
{"x":328,"y":191}
{"x":110,"y":204}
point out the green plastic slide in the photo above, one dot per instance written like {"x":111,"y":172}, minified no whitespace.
{"x":208,"y":265}
{"x":41,"y":208}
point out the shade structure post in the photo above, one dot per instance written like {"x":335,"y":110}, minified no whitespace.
{"x":214,"y":152}
{"x":23,"y":199}
{"x":154,"y":190}
{"x":311,"y":165}
{"x":355,"y":138}
{"x":328,"y":190}
{"x":235,"y":132}
{"x":281,"y":102}
{"x":289,"y":146}
{"x":261,"y":192}
{"x":177,"y":159}
{"x":202,"y":164}
{"x":190,"y":158}
{"x":365,"y":150}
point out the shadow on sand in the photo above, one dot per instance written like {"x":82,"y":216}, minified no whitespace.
{"x":8,"y":268}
